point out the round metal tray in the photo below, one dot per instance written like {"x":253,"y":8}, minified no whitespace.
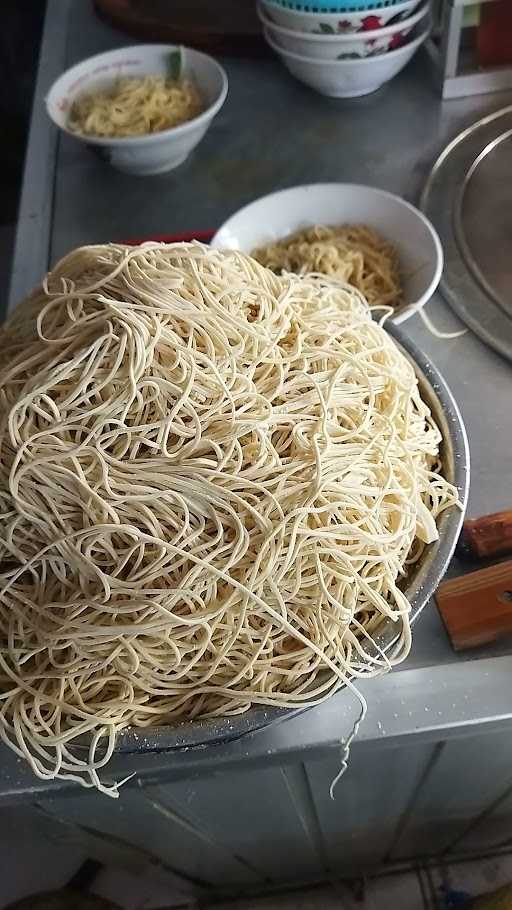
{"x":468,"y":198}
{"x":420,"y":587}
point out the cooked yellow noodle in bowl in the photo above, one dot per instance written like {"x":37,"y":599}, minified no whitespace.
{"x":213,"y":480}
{"x":135,"y":106}
{"x":353,"y":253}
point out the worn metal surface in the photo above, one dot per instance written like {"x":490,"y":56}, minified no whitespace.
{"x":33,"y":230}
{"x":370,"y":801}
{"x":254,"y":828}
{"x":464,"y":779}
{"x":467,"y":197}
{"x":426,"y":704}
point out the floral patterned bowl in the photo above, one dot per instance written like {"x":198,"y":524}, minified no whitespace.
{"x":338,"y":23}
{"x":345,"y":47}
{"x":348,"y":78}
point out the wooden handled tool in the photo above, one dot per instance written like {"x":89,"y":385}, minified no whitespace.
{"x":486,"y":537}
{"x":477,"y":608}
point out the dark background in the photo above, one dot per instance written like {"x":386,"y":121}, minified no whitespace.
{"x":20,"y":37}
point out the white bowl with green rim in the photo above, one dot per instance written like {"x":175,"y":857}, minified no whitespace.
{"x":273,"y":217}
{"x":153,"y":153}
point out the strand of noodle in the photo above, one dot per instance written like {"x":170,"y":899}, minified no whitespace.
{"x":345,"y":750}
{"x":438,"y":333}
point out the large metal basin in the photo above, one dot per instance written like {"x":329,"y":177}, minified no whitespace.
{"x":419,"y":589}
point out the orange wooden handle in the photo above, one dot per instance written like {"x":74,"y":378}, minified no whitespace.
{"x":477,"y":608}
{"x":484,"y":538}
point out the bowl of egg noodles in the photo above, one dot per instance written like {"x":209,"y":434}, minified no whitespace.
{"x":359,"y":235}
{"x":143,"y":108}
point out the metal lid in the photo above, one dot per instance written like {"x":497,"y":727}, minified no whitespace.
{"x":468,"y":197}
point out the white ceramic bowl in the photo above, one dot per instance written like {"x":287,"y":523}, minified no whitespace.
{"x":273,"y":217}
{"x":344,"y":47}
{"x":337,"y":23}
{"x":156,"y":152}
{"x":348,"y":78}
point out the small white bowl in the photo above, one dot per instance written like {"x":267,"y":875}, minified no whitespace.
{"x":154,"y":153}
{"x":275,"y":216}
{"x":348,"y":78}
{"x":338,"y":23}
{"x":344,"y":47}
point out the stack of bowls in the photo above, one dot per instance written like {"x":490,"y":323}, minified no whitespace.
{"x":345,"y":53}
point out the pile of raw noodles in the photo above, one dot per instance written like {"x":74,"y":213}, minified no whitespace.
{"x":354,"y":253}
{"x":212,"y":480}
{"x":135,"y":106}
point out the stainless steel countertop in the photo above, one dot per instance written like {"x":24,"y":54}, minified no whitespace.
{"x":274,"y":132}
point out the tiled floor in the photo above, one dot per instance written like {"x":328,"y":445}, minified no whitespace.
{"x":30,"y":864}
{"x":474,"y":876}
{"x":132,"y":892}
{"x":401,"y":891}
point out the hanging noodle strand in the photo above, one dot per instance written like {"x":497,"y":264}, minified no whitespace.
{"x":212,"y":482}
